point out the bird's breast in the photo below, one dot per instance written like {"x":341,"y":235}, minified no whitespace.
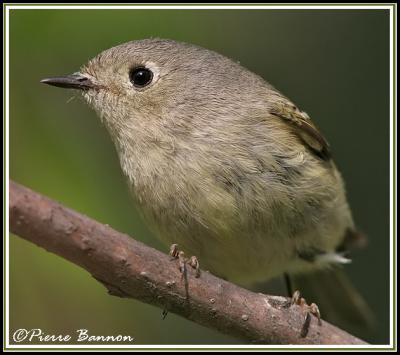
{"x":244,"y":215}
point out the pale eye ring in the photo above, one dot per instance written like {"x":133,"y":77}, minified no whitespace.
{"x":140,"y":76}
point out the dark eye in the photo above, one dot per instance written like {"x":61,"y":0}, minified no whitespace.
{"x":141,"y":77}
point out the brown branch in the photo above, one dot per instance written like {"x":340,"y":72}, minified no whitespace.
{"x":131,"y":269}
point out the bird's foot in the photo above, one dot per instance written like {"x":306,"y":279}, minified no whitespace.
{"x":175,"y":253}
{"x":311,"y":309}
{"x":193,"y":262}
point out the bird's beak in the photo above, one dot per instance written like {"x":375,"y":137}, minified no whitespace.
{"x":73,"y":81}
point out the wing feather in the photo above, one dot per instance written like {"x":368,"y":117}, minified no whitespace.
{"x":303,"y":127}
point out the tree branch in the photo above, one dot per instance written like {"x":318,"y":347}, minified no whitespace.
{"x":129,"y":268}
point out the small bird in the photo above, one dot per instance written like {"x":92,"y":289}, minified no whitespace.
{"x":222,"y":164}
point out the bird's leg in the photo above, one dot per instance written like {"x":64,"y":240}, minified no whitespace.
{"x":288,"y":284}
{"x":309,"y":309}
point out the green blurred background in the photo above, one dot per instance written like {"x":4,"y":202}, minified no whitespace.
{"x":333,"y":64}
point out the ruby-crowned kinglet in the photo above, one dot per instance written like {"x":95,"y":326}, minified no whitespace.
{"x":218,"y":160}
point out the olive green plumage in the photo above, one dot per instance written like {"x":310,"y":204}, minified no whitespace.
{"x":218,"y":160}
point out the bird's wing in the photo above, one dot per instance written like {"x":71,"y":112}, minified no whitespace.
{"x":302,"y":126}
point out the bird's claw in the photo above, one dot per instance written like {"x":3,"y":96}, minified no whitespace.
{"x":311,"y":309}
{"x":194,"y":263}
{"x":173,"y":251}
{"x":180,"y":255}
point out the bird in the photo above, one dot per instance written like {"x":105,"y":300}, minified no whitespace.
{"x":223,"y":165}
